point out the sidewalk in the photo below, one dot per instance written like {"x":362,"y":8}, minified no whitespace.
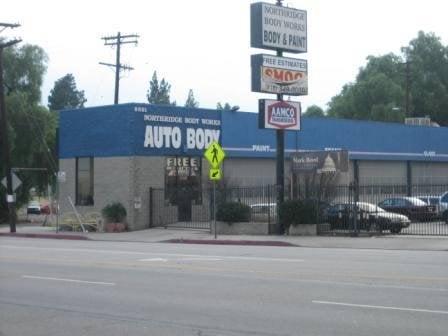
{"x":157,"y":235}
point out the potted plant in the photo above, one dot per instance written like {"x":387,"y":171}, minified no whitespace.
{"x":114,"y":215}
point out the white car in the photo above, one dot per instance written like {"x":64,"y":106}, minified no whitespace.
{"x":33,"y":208}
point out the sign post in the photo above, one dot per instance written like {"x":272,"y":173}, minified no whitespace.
{"x":214,"y":155}
{"x":281,"y":29}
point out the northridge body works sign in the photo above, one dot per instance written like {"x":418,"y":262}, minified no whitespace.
{"x":279,"y":75}
{"x":167,"y":132}
{"x":278,"y":28}
{"x":275,"y":114}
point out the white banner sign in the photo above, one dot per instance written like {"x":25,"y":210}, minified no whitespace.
{"x":279,"y":28}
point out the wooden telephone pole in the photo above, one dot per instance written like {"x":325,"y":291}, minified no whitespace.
{"x":117,"y":41}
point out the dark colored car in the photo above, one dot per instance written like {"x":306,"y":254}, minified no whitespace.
{"x":411,"y":207}
{"x":445,"y":216}
{"x":370,"y":217}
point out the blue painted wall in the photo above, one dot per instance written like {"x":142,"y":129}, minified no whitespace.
{"x":121,"y":130}
{"x":364,"y":139}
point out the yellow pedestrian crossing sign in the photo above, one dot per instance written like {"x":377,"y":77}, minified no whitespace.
{"x":214,"y":154}
{"x":215,"y":174}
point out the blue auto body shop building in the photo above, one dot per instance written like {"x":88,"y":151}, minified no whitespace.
{"x":117,"y":153}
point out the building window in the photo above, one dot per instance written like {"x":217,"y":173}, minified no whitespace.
{"x":84,"y":181}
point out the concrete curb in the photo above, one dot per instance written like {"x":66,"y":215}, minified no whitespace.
{"x":230,"y":242}
{"x":43,"y":235}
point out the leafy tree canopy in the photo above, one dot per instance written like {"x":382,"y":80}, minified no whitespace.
{"x":379,"y":91}
{"x":159,"y":93}
{"x":31,"y":127}
{"x":65,"y":94}
{"x":314,"y":111}
{"x":24,"y":69}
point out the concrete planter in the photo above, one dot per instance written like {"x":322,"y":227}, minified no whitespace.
{"x":303,"y":230}
{"x":241,"y":228}
{"x":115,"y":227}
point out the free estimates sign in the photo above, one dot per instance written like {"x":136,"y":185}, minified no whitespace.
{"x":279,"y":75}
{"x":278,"y":28}
{"x":276,"y":114}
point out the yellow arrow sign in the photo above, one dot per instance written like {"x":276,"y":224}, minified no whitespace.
{"x":214,"y":154}
{"x":215,"y":174}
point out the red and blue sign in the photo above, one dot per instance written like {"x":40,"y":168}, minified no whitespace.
{"x":275,"y":114}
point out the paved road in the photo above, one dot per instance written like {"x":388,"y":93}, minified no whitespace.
{"x":58,"y":287}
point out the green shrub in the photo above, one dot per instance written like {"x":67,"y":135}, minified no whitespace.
{"x":297,"y":212}
{"x":232,"y":212}
{"x":114,"y":213}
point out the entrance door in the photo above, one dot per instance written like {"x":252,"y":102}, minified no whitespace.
{"x":184,"y":201}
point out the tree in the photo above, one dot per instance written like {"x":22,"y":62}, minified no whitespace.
{"x":31,"y":127}
{"x":428,"y":74}
{"x":159,"y":93}
{"x":314,"y":111}
{"x":24,"y":69}
{"x":379,"y":92}
{"x":225,"y":107}
{"x":64,"y":94}
{"x":191,"y":101}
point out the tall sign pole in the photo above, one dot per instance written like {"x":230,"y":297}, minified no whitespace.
{"x":280,"y":164}
{"x":281,"y":29}
{"x":10,"y":198}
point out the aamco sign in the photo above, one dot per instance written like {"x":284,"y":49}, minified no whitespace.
{"x":279,"y":114}
{"x":279,"y":75}
{"x":278,"y":28}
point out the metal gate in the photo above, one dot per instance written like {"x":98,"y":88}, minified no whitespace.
{"x":179,"y":209}
{"x":192,"y":208}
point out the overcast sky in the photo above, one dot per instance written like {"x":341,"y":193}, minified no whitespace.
{"x":205,"y":44}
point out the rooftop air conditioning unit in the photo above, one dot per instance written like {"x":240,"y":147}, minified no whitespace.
{"x":418,"y":121}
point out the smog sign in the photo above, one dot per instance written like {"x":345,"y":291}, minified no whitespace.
{"x":279,"y":75}
{"x":275,"y":114}
{"x":278,"y":28}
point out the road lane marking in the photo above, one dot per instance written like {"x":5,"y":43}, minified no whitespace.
{"x":182,"y":259}
{"x":381,"y":307}
{"x":199,"y":259}
{"x":369,"y":285}
{"x":68,"y":280}
{"x":229,"y":257}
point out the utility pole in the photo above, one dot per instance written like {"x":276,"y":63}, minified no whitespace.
{"x":408,"y":84}
{"x":10,"y":198}
{"x":118,"y":40}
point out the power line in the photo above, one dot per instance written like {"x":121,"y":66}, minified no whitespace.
{"x":117,"y":41}
{"x":8,"y":25}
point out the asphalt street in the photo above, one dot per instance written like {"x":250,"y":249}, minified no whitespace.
{"x":61,"y":287}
